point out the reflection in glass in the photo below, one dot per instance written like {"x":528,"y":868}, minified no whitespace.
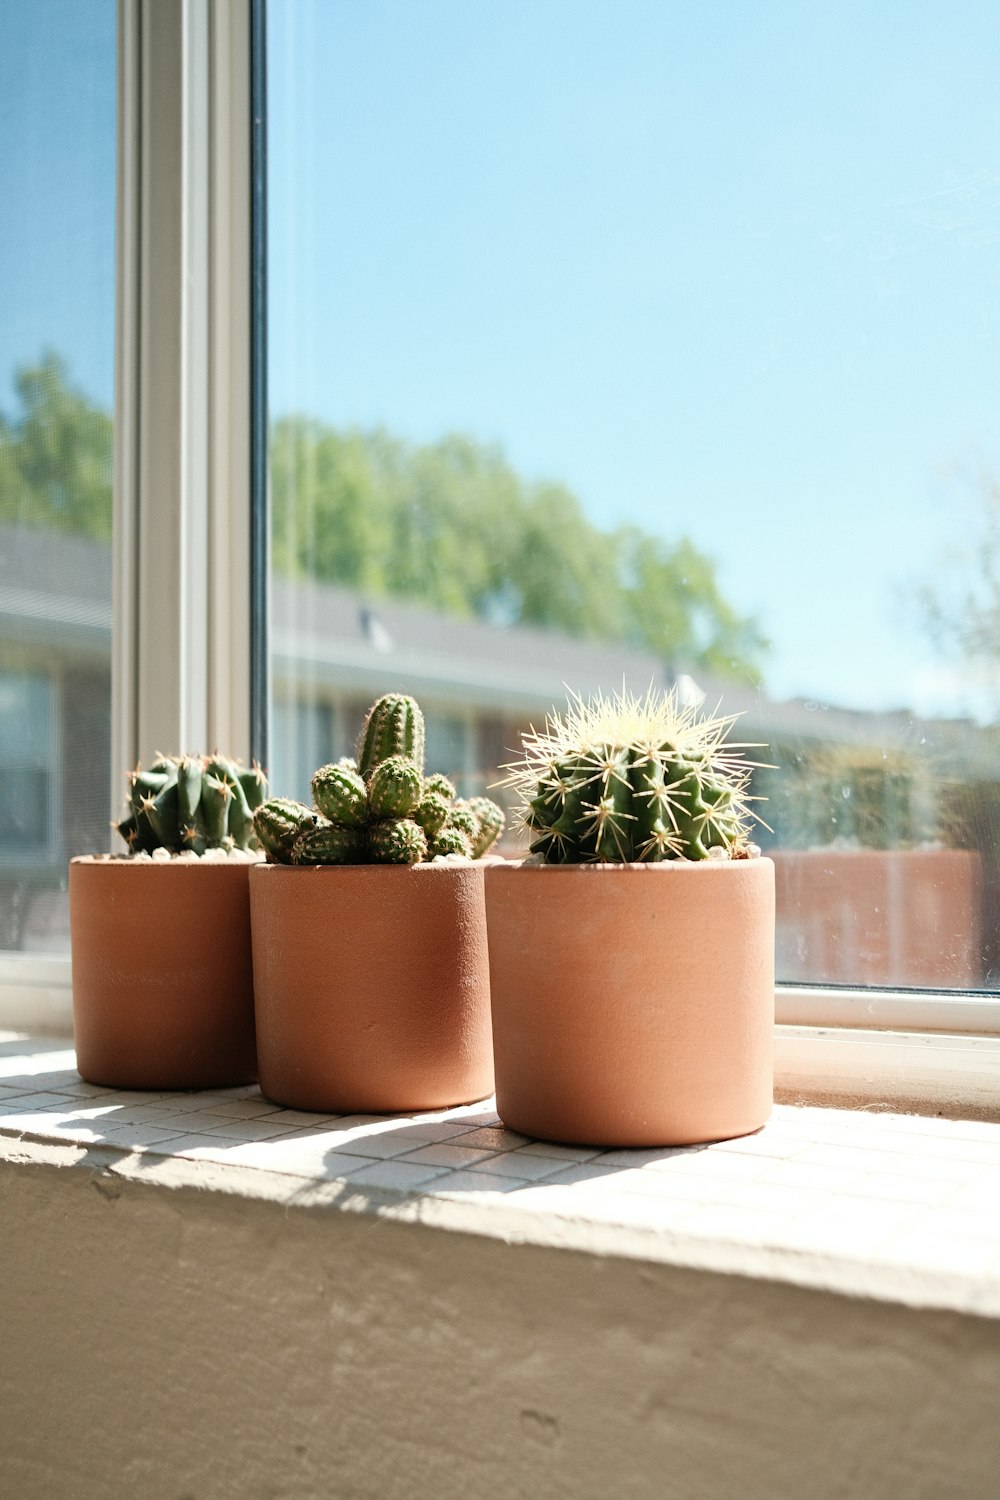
{"x":660,"y":357}
{"x":57,"y":86}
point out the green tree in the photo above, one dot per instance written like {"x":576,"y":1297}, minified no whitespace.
{"x":448,"y":524}
{"x":452,"y":525}
{"x":55,"y":455}
{"x":960,"y":605}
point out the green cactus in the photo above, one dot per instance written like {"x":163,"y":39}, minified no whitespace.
{"x":340,"y":795}
{"x":400,"y":841}
{"x":278,"y":823}
{"x":329,"y":844}
{"x":432,"y":812}
{"x":191,"y":803}
{"x":461,"y":816}
{"x":441,"y":786}
{"x":450,"y":840}
{"x":491,"y":822}
{"x":378,"y":809}
{"x":632,"y":779}
{"x":394,"y":788}
{"x":394,"y":726}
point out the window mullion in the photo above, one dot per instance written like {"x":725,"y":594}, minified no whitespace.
{"x":182,"y":472}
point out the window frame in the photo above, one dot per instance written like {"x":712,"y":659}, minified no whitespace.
{"x":190,"y":663}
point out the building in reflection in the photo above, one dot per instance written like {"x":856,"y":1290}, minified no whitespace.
{"x":885,"y":827}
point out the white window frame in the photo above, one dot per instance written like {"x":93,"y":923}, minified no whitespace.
{"x":182,"y":541}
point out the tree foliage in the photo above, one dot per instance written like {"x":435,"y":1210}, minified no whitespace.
{"x":961,"y":603}
{"x":448,"y":524}
{"x":452,"y":525}
{"x":55,"y":455}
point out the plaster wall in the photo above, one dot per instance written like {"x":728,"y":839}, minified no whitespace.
{"x":176,"y":1344}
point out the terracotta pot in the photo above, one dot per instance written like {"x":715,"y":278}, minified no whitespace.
{"x":162,"y":975}
{"x":372,"y":986}
{"x":633,"y":1005}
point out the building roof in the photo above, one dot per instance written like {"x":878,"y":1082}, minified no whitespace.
{"x":55,"y":589}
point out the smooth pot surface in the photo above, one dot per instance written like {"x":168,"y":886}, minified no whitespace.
{"x":633,"y":1005}
{"x":162,"y":975}
{"x":372,"y":986}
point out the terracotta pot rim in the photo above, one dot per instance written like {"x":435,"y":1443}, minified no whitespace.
{"x":618,"y":867}
{"x":129,"y":862}
{"x":392,"y":872}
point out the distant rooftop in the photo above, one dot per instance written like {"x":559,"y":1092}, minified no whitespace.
{"x":55,"y":589}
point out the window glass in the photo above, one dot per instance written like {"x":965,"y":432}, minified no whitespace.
{"x":658,"y":343}
{"x":57,"y":185}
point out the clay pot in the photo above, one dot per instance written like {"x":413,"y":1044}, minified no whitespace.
{"x":372,"y":986}
{"x":633,"y":1005}
{"x":162,"y":976}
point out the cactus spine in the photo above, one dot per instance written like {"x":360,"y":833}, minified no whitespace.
{"x":631,"y":779}
{"x":192,"y":803}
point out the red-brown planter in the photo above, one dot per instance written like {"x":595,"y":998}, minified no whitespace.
{"x":633,"y":1005}
{"x":162,"y":974}
{"x":372,"y":986}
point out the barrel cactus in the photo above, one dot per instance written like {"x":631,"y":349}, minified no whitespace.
{"x":192,"y":803}
{"x":634,"y":779}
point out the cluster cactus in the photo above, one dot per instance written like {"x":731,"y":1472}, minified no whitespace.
{"x":192,"y":803}
{"x":626,"y":779}
{"x":379,"y":808}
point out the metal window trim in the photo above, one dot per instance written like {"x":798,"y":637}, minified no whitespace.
{"x":183,"y":516}
{"x":969,"y":1012}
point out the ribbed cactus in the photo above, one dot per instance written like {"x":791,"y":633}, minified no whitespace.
{"x":329,"y":844}
{"x":379,"y":809}
{"x":450,"y":841}
{"x":395,"y":787}
{"x":394,"y":726}
{"x":490,"y":824}
{"x":399,"y":841}
{"x":340,"y":795}
{"x":278,"y":823}
{"x":192,"y":803}
{"x":630,"y":779}
{"x":432,"y":812}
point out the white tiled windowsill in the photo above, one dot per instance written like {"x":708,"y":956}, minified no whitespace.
{"x":896,"y":1207}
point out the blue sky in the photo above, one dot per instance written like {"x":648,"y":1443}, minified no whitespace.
{"x":726,"y":269}
{"x":57,"y":188}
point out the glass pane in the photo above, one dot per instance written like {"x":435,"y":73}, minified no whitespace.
{"x":57,"y":185}
{"x":657,"y":343}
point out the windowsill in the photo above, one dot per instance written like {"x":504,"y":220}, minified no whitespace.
{"x":892,"y":1207}
{"x":846,"y":1049}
